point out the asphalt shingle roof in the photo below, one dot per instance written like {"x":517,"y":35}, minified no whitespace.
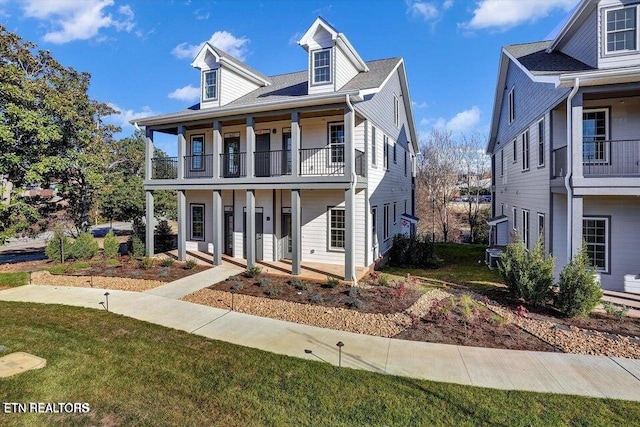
{"x":239,"y":63}
{"x":534,"y":57}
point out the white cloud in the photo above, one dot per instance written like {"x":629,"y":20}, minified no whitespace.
{"x":78,"y":20}
{"x":419,"y":105}
{"x":234,"y":46}
{"x":187,"y":93}
{"x":462,"y":122}
{"x":426,"y":11}
{"x":447,"y":4}
{"x":123,"y":116}
{"x":505,"y":14}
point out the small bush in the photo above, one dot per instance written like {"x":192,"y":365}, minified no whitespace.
{"x":85,"y":247}
{"x":400,"y":290}
{"x":190,"y":264}
{"x":498,"y":320}
{"x":316,"y":298}
{"x":58,"y":247}
{"x":354,"y":292}
{"x":164,"y":236}
{"x":355,"y":303}
{"x":332,"y":282}
{"x":167,"y":262}
{"x":235,"y":288}
{"x":411,"y":251}
{"x":164,"y":272}
{"x":264,"y":282}
{"x":294,"y":281}
{"x":146,"y":263}
{"x":528,"y":275}
{"x":252,"y":271}
{"x":619,"y":312}
{"x":578,"y":290}
{"x":274,"y":291}
{"x":384,"y":280}
{"x":136,"y":274}
{"x":136,"y":246}
{"x":111,"y":245}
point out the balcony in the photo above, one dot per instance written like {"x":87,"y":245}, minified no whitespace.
{"x":559,"y":157}
{"x":164,"y":168}
{"x":199,"y":166}
{"x":233,"y":165}
{"x":272,"y":163}
{"x":328,"y":161}
{"x":611,"y":158}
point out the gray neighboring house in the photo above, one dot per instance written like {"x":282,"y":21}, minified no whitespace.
{"x":315,"y":166}
{"x":565,"y":142}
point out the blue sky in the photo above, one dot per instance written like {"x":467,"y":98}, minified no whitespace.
{"x":139,"y":51}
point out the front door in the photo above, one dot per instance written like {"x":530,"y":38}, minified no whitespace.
{"x":259,"y":237}
{"x":286,"y":152}
{"x":231,"y":158}
{"x":228,"y":233}
{"x":263,"y":154}
{"x":287,"y":239}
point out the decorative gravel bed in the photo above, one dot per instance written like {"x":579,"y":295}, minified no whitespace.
{"x":117,"y":283}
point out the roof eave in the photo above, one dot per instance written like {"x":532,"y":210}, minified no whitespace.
{"x":598,"y":77}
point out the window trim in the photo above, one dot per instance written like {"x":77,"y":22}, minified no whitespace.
{"x":514,"y":215}
{"x":385,"y":222}
{"x":333,"y":147}
{"x":385,"y":154}
{"x":374,"y":226}
{"x":541,"y":229}
{"x":605,"y":32}
{"x":191,"y":222}
{"x":395,"y":213}
{"x":526,"y":150}
{"x":395,"y":153}
{"x":201,"y":156}
{"x":525,"y":228}
{"x":374,"y":155}
{"x":313,"y":67}
{"x":396,"y":110}
{"x":607,"y":136}
{"x":541,"y":142}
{"x":405,"y":163}
{"x":515,"y":150}
{"x":501,"y":163}
{"x":330,"y":210}
{"x":204,"y":85}
{"x":512,"y":105}
{"x":607,"y":244}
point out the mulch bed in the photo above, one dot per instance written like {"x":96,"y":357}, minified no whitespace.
{"x":131,"y":269}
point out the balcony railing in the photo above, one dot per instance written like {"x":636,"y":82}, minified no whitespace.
{"x":199,"y":166}
{"x":611,"y":158}
{"x":360,"y":162}
{"x":328,"y":161}
{"x":164,"y":168}
{"x":560,"y":162}
{"x":233,"y":165}
{"x":272,"y":163}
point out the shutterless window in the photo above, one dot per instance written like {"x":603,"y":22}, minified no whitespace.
{"x":501,"y":162}
{"x":514,"y":213}
{"x":395,"y":218}
{"x":515,"y":150}
{"x":621,"y":29}
{"x":395,"y":158}
{"x":374,"y":160}
{"x":595,"y":232}
{"x":385,"y":152}
{"x":541,"y":143}
{"x":197,"y":151}
{"x":337,"y":228}
{"x":322,"y":66}
{"x":525,"y":228}
{"x":541,"y":228}
{"x":374,"y":224}
{"x":396,"y":110}
{"x":405,"y":163}
{"x":197,"y":222}
{"x":594,"y":136}
{"x":336,"y":139}
{"x":512,"y":106}
{"x":385,"y":223}
{"x":525,"y":151}
{"x":210,"y":86}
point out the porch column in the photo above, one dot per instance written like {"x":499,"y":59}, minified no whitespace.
{"x":182,"y":150}
{"x":148,"y":173}
{"x":182,"y":225}
{"x":350,"y":234}
{"x":576,"y":137}
{"x":217,"y":227}
{"x":349,"y":148}
{"x":149,"y":220}
{"x":217,"y":148}
{"x":577,"y":208}
{"x":295,"y":143}
{"x":251,"y":146}
{"x":296,"y":232}
{"x":250,"y":231}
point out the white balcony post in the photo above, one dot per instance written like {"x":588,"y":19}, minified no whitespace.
{"x":577,"y":208}
{"x":251,"y":147}
{"x":295,"y":143}
{"x":217,"y":227}
{"x":576,"y":136}
{"x":182,"y":226}
{"x":250,"y":230}
{"x":148,"y":154}
{"x":217,"y":147}
{"x":149,"y":232}
{"x":296,"y":232}
{"x":349,"y":147}
{"x":350,"y":234}
{"x":182,"y":150}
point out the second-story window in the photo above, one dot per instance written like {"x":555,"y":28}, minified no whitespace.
{"x":322,"y":66}
{"x":197,"y":152}
{"x":595,"y":125}
{"x":396,"y":110}
{"x":385,"y":153}
{"x":525,"y":151}
{"x":621,"y":30}
{"x":541,"y":152}
{"x":336,"y":141}
{"x":374,"y":160}
{"x":210,"y":85}
{"x":512,"y":106}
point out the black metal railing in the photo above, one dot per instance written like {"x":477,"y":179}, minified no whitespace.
{"x":233,"y":165}
{"x":272,"y":163}
{"x":611,"y":158}
{"x":360,"y":160}
{"x":328,"y":161}
{"x":164,"y":168}
{"x":559,"y":162}
{"x":198,"y":166}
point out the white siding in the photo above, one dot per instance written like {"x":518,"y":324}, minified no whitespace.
{"x":345,"y":70}
{"x":233,"y":86}
{"x":583,"y":44}
{"x":205,"y":198}
{"x":614,"y":60}
{"x":559,"y":238}
{"x":315,"y":223}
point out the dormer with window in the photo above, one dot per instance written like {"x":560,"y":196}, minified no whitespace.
{"x":224,"y":78}
{"x":618,"y":34}
{"x":332,"y":59}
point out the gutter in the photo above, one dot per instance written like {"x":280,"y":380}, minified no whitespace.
{"x":567,"y":178}
{"x":354,"y":177}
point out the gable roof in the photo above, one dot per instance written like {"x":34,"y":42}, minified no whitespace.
{"x":224,"y":58}
{"x":579,"y":12}
{"x":536,"y":58}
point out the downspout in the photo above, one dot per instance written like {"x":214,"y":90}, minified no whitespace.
{"x":354,"y":177}
{"x":567,"y":177}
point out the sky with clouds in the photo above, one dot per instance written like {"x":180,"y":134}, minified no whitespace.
{"x":139,"y":51}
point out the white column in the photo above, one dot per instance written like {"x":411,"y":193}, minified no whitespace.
{"x":295,"y":143}
{"x":250,"y":231}
{"x":148,"y":154}
{"x":350,"y":234}
{"x":576,"y":136}
{"x":182,"y":225}
{"x":217,"y":227}
{"x":182,"y":150}
{"x":296,"y":233}
{"x":149,"y":219}
{"x":217,"y":148}
{"x":577,"y":209}
{"x":349,"y":147}
{"x":251,"y":147}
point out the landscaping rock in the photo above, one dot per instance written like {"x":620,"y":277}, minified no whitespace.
{"x":118,"y":283}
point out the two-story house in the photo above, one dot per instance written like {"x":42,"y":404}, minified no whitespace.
{"x":315,"y":165}
{"x":565,"y":140}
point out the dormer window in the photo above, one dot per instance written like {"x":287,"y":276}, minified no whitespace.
{"x":322,"y":66}
{"x":210,"y":85}
{"x":621,"y":30}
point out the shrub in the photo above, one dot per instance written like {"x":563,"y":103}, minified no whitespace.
{"x":413,"y":251}
{"x":316,"y":298}
{"x":383,"y":280}
{"x":252,"y":271}
{"x":528,"y":275}
{"x":302,"y":286}
{"x":136,"y":246}
{"x":400,"y":290}
{"x":355,"y":303}
{"x":274,"y":291}
{"x":264,"y":282}
{"x":294,"y":281}
{"x":167,"y":262}
{"x":578,"y":290}
{"x":58,"y":246}
{"x":139,"y":228}
{"x":164,"y":272}
{"x":190,"y":264}
{"x":619,"y":312}
{"x":332,"y":282}
{"x":235,"y":288}
{"x":354,"y":292}
{"x":164,"y":236}
{"x":146,"y":263}
{"x":111,"y":245}
{"x":85,"y":246}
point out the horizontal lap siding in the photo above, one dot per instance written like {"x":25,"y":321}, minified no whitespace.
{"x":345,"y":70}
{"x":583,"y":44}
{"x":615,"y":60}
{"x":233,"y":86}
{"x":559,"y":243}
{"x":314,"y":229}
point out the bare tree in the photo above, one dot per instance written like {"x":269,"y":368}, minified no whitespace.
{"x":474,"y":169}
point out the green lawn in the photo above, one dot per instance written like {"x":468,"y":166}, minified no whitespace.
{"x":14,"y":279}
{"x":135,"y":373}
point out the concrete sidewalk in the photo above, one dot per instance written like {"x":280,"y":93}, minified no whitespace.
{"x":183,"y":287}
{"x":594,"y":376}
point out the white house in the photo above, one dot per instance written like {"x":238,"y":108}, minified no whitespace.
{"x":315,"y":165}
{"x":565,"y":140}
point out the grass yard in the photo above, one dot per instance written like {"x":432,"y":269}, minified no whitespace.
{"x":13,"y":279}
{"x":131,"y":372}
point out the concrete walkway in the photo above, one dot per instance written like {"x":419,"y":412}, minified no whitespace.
{"x":183,"y":287}
{"x":595,"y":376}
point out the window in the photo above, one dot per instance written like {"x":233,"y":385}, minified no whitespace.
{"x":621,"y":30}
{"x":374,"y":160}
{"x":595,"y":124}
{"x":197,"y":222}
{"x":525,"y":151}
{"x":336,"y":141}
{"x":501,"y":208}
{"x":385,"y":222}
{"x":405,"y":163}
{"x":395,"y":218}
{"x":514,"y":212}
{"x":322,"y":66}
{"x":525,"y":228}
{"x":405,"y":205}
{"x":501,"y":162}
{"x":515,"y":150}
{"x":512,"y":106}
{"x":336,"y":228}
{"x":541,"y":143}
{"x":374,"y":225}
{"x":395,"y":157}
{"x":541,"y":228}
{"x":595,"y":232}
{"x":385,"y":152}
{"x":396,"y":110}
{"x":210,"y":86}
{"x":197,"y":152}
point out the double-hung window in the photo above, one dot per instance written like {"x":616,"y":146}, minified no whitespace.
{"x":512,"y":106}
{"x":385,"y":222}
{"x":595,"y":125}
{"x":514,"y":215}
{"x":197,"y":152}
{"x":210,"y":85}
{"x":197,"y":222}
{"x":621,"y":30}
{"x":385,"y":153}
{"x":396,"y":110}
{"x":374,"y":160}
{"x":541,"y":228}
{"x":541,"y":143}
{"x":322,"y":66}
{"x":337,"y":228}
{"x":595,"y":232}
{"x":525,"y":228}
{"x":525,"y":151}
{"x":336,"y":141}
